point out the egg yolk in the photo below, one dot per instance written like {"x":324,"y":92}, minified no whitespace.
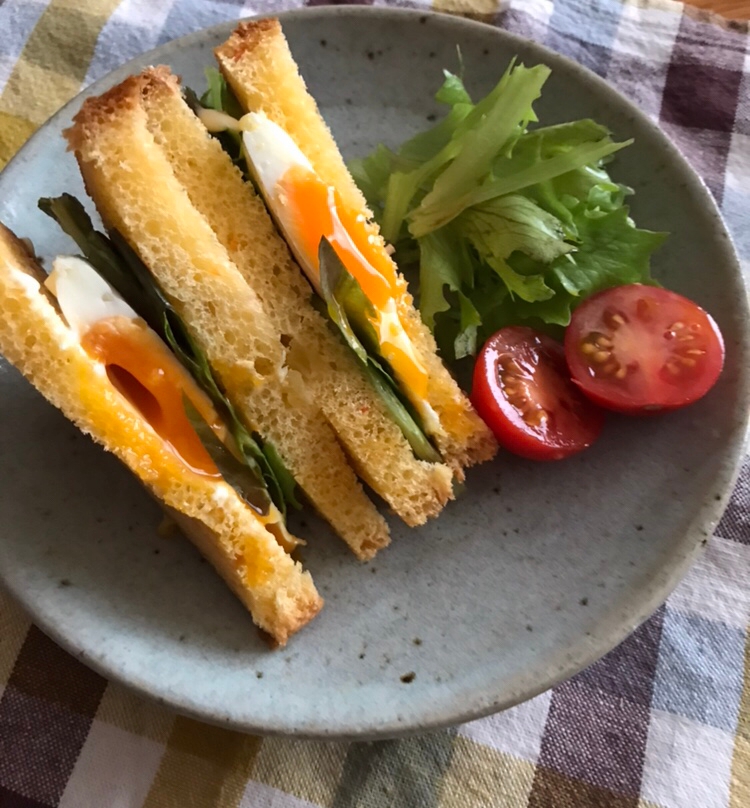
{"x":321,"y":214}
{"x":143,"y":370}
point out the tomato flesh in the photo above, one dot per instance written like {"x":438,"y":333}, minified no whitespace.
{"x":522,"y":390}
{"x":642,"y":349}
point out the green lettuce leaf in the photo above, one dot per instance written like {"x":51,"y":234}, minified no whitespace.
{"x":611,"y":251}
{"x":347,"y":305}
{"x":439,"y":268}
{"x":371,"y":175}
{"x":219,"y":96}
{"x":452,"y":92}
{"x":446,"y":266}
{"x":465,"y":342}
{"x":489,"y":130}
{"x":281,"y":475}
{"x":240,"y":476}
{"x":505,"y":224}
{"x":517,"y":176}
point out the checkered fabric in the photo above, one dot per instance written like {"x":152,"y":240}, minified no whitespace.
{"x":662,"y":721}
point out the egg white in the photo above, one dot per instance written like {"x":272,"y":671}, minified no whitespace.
{"x":83,"y":295}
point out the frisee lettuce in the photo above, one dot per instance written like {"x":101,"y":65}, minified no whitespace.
{"x":506,"y":224}
{"x":113,"y":258}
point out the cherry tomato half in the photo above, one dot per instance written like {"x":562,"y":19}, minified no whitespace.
{"x":522,"y":389}
{"x":639,"y":349}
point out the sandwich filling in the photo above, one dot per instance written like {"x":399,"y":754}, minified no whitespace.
{"x":308,"y":211}
{"x":138,"y":364}
{"x":150,"y":378}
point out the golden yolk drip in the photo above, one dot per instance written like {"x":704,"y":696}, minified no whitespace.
{"x":305,"y":192}
{"x":143,"y":369}
{"x":321,"y":216}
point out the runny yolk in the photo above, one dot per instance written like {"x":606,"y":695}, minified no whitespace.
{"x":143,"y":369}
{"x":323,"y":217}
{"x":321,"y":214}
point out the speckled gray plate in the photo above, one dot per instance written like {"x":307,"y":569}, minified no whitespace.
{"x":533,"y":574}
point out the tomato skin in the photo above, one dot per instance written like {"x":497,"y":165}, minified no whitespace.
{"x":667,"y":351}
{"x":522,"y":390}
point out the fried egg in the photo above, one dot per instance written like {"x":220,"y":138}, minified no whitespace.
{"x":307,"y":210}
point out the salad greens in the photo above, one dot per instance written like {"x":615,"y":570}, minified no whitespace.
{"x":264,"y":477}
{"x":507,"y":224}
{"x":351,"y":311}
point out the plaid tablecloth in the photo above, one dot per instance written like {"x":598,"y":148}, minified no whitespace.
{"x":664,"y":720}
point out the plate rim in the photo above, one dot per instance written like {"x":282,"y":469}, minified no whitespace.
{"x":628,"y":618}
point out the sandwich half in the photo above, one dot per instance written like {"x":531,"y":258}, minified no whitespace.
{"x":381,"y":439}
{"x":307,"y":187}
{"x":90,"y":354}
{"x":139,"y":197}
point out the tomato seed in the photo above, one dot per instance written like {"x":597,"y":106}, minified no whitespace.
{"x":602,"y":356}
{"x":614,"y":319}
{"x":536,"y":417}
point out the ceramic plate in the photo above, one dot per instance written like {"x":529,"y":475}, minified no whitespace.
{"x":533,"y":574}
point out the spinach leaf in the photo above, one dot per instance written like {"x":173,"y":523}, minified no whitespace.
{"x":250,"y":488}
{"x":346,"y":303}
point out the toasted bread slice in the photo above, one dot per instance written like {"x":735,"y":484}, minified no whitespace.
{"x":376,"y":446}
{"x":35,"y":338}
{"x":136,"y":192}
{"x":259,"y":67}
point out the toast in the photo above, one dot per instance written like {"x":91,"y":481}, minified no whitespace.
{"x":137,"y":194}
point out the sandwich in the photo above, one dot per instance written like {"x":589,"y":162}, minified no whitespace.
{"x":132,"y":182}
{"x":90,"y":354}
{"x":356,"y":400}
{"x":294,"y":161}
{"x":376,"y":429}
{"x":239,"y":332}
